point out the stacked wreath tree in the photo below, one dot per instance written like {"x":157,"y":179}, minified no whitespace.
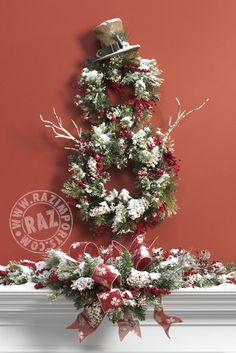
{"x":114,"y":281}
{"x":121,"y":134}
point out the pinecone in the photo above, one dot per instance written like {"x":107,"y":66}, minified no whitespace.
{"x":94,"y":314}
{"x":92,"y":167}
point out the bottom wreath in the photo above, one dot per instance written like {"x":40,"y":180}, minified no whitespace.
{"x":118,"y":282}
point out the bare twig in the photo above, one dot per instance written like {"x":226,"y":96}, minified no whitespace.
{"x":59,"y":130}
{"x":71,"y":148}
{"x":180,"y":116}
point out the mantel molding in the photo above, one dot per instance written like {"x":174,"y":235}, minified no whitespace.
{"x":186,"y":300}
{"x":38,"y":326}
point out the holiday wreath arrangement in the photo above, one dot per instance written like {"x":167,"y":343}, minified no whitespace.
{"x":120,"y":134}
{"x":117,"y":282}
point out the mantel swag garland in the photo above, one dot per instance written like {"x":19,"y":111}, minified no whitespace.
{"x":117,"y":282}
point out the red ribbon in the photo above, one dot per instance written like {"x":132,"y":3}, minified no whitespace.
{"x":110,"y":300}
{"x":77,"y":250}
{"x":165,"y":321}
{"x":128,"y":324}
{"x":83,"y":325}
{"x":107,"y":276}
{"x":140,"y":251}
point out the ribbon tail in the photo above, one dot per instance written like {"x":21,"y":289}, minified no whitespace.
{"x":125,"y":327}
{"x":81,"y":324}
{"x":165,"y":321}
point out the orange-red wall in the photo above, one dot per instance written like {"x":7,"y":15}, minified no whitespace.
{"x":42,"y":44}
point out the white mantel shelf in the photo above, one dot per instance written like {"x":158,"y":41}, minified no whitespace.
{"x":29,"y":323}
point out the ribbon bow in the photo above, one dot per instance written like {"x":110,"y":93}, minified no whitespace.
{"x":108,"y":277}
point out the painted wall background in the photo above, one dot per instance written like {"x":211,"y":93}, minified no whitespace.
{"x":44,"y":43}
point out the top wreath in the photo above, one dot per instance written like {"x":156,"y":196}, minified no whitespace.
{"x":120,"y":70}
{"x":120,"y":134}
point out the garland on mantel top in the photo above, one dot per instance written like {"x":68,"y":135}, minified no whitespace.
{"x":117,"y":282}
{"x":120,"y":135}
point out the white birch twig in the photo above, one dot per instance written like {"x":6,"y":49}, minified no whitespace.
{"x":180,"y":116}
{"x":59,"y":130}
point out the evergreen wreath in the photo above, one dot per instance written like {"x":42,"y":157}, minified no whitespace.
{"x":120,"y":134}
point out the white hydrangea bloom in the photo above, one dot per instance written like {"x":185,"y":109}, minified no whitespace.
{"x":82,"y":283}
{"x":138,"y":279}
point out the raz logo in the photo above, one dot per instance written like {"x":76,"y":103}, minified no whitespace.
{"x":40,"y":220}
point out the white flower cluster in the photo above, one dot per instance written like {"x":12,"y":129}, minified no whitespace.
{"x":137,"y":207}
{"x":138,"y":279}
{"x":82,"y":284}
